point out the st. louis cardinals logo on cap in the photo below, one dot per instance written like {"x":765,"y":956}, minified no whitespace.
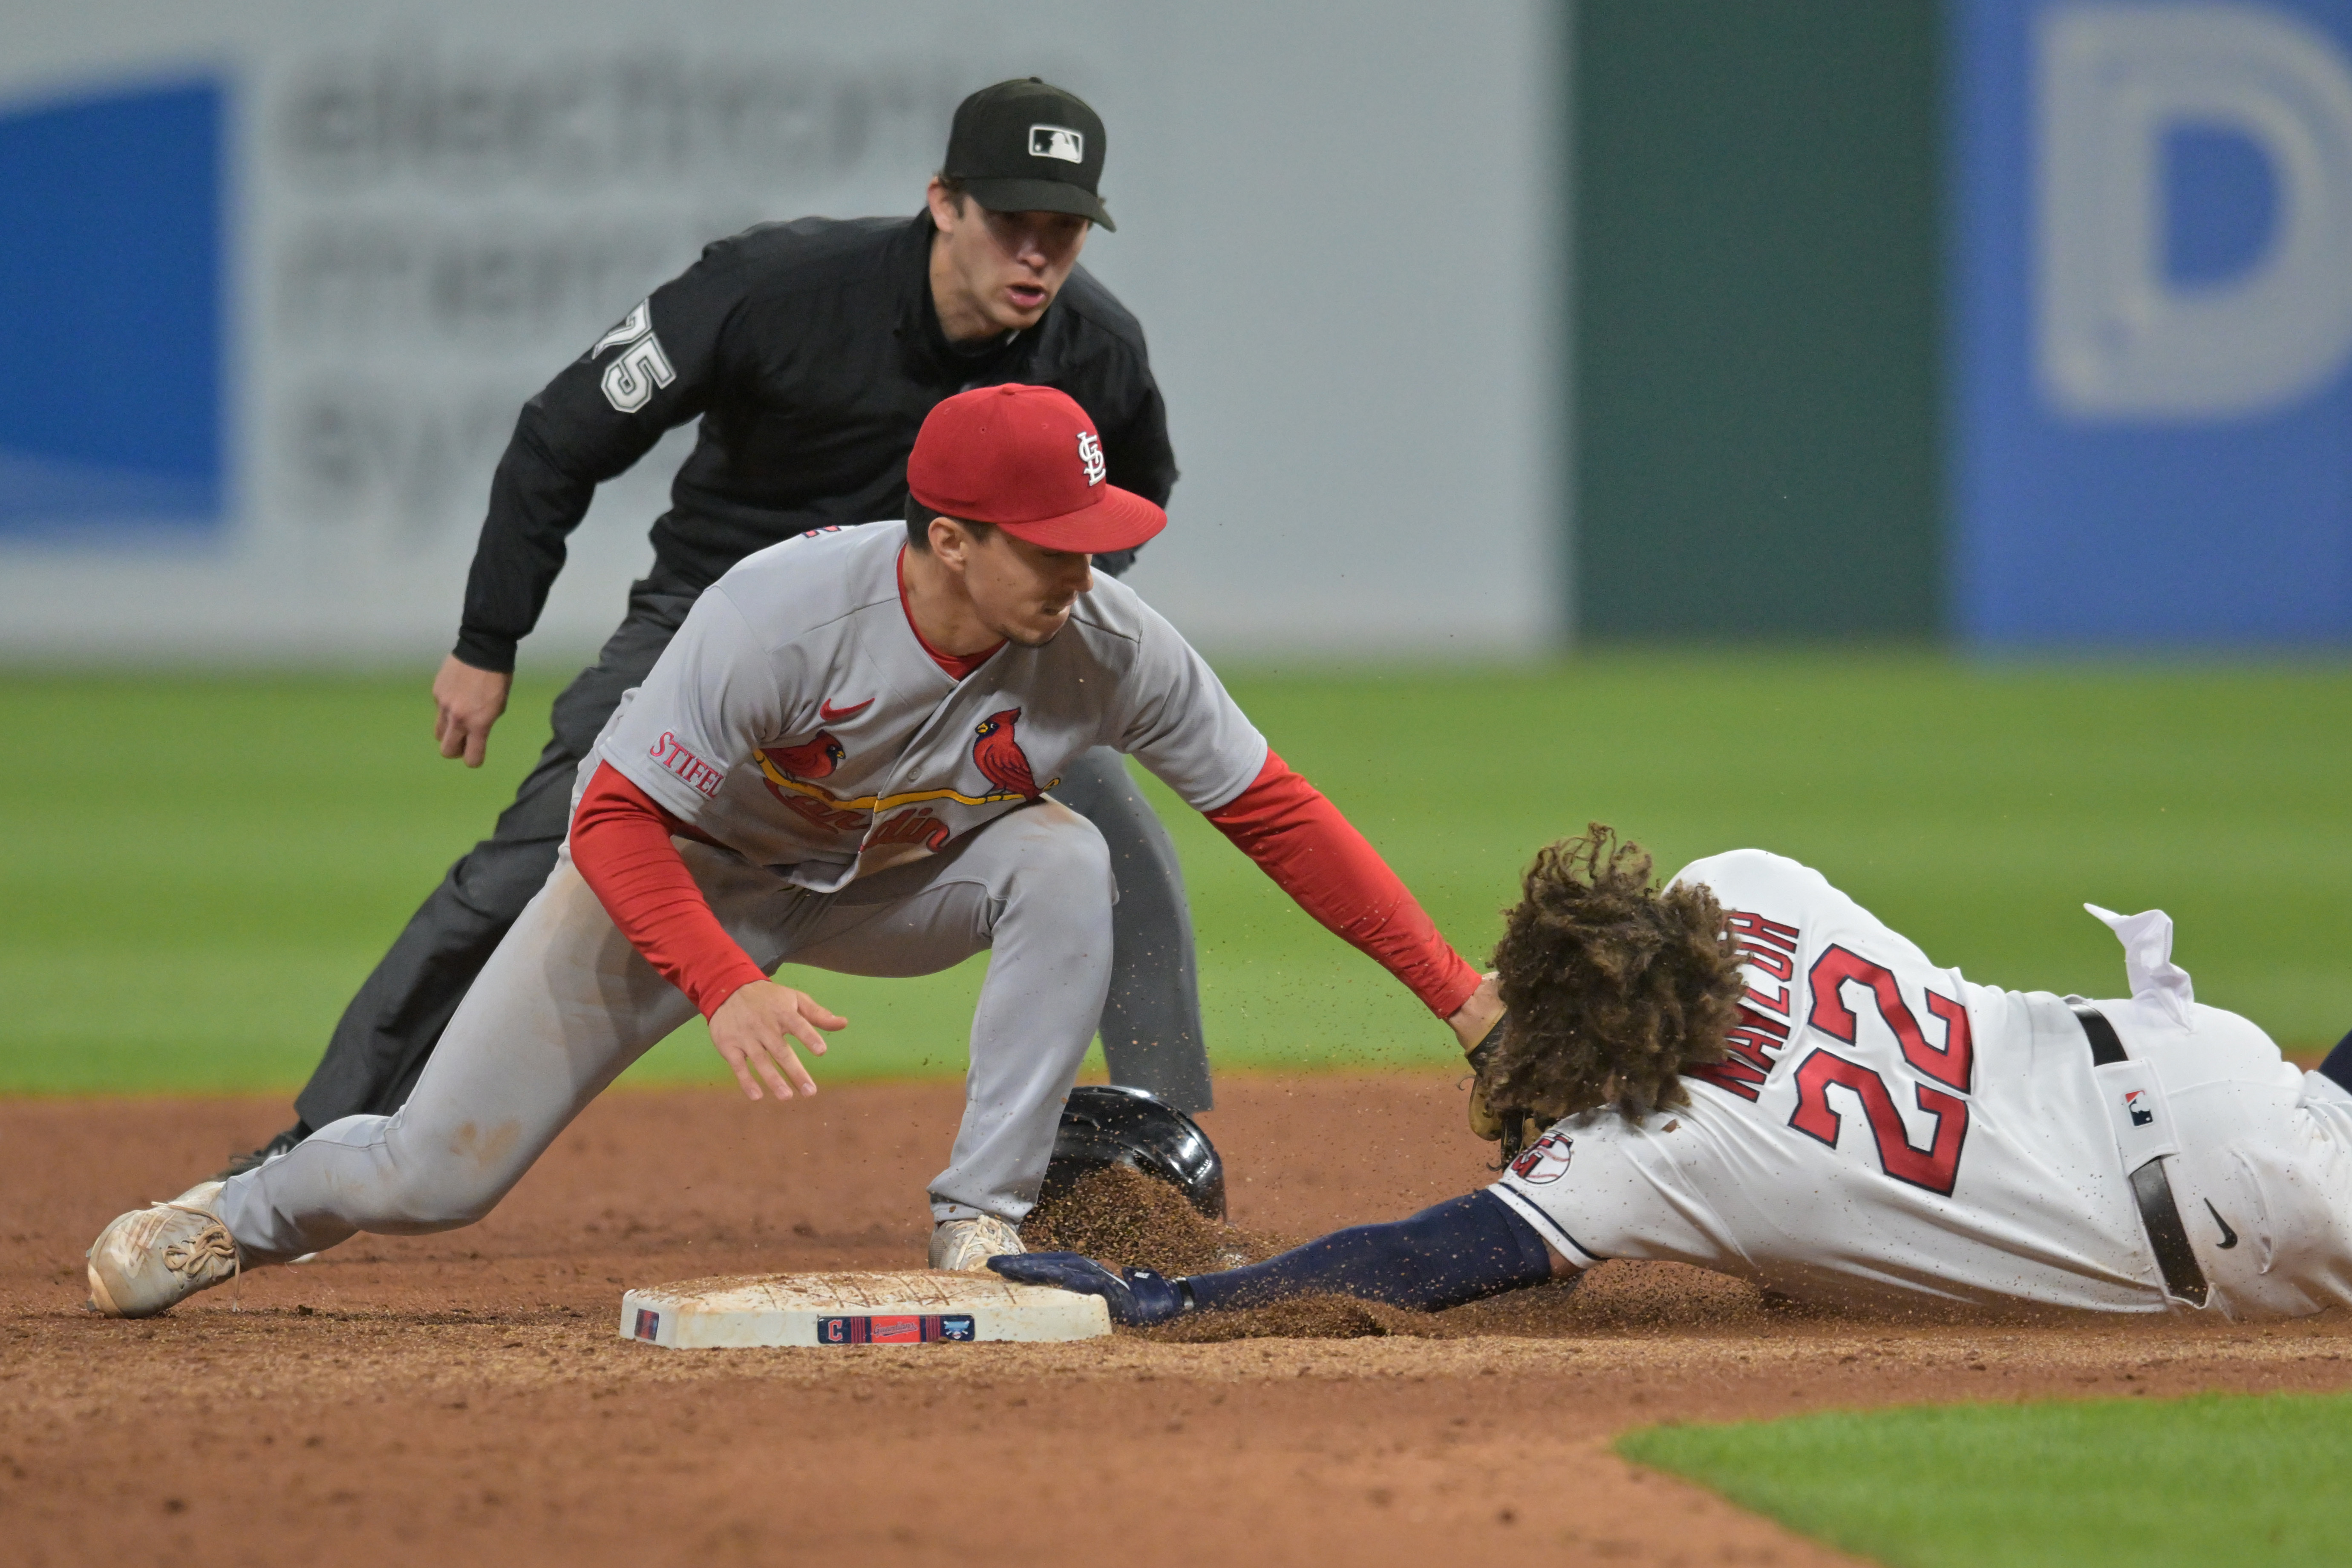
{"x":1000,"y":455}
{"x":1057,"y":142}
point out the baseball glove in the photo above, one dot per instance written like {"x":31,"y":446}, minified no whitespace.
{"x":1512,"y":1128}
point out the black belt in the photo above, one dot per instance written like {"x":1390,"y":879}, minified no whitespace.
{"x":2166,"y":1234}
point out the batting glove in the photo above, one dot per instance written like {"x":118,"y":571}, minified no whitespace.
{"x":1137,"y":1296}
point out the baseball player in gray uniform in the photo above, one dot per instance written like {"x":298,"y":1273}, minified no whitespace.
{"x":845,"y":758}
{"x":1750,"y":1072}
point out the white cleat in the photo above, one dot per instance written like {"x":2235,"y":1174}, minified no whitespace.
{"x":152,"y":1259}
{"x":965,"y":1246}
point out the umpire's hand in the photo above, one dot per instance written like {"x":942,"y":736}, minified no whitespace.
{"x":466,"y":702}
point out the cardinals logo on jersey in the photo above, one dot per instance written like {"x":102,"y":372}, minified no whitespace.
{"x":814,"y":759}
{"x":784,"y":770}
{"x":998,"y":755}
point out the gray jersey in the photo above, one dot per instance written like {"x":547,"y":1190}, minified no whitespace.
{"x":797,"y":721}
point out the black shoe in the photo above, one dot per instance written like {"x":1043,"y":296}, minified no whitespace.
{"x":241,"y":1164}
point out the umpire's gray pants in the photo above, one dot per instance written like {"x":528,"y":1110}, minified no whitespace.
{"x":565,"y":1004}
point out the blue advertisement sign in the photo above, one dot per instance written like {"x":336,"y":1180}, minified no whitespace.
{"x":2150,"y":329}
{"x":112,"y":279}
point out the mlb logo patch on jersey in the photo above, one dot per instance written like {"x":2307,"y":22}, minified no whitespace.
{"x":2139,"y":1111}
{"x":1546,"y":1160}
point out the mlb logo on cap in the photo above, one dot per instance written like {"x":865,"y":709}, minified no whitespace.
{"x":1028,"y":146}
{"x":1057,"y":142}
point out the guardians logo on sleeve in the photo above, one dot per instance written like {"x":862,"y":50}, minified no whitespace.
{"x":1546,"y":1160}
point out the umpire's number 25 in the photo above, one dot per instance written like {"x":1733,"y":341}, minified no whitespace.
{"x":1936,"y":1167}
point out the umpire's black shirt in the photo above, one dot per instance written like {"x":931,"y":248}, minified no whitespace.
{"x":812,"y":352}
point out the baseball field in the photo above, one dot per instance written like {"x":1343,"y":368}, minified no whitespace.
{"x":197,"y":871}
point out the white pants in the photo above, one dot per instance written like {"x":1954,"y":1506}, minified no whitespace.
{"x":565,"y":1004}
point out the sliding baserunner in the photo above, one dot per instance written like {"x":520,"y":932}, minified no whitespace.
{"x":1747,"y":1071}
{"x":845,"y":759}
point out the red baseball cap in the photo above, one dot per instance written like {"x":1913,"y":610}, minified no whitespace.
{"x":1027,"y":460}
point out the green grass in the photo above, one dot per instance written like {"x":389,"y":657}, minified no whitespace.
{"x":196,"y":870}
{"x":2142,"y":1483}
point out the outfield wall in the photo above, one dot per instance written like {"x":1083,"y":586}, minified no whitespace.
{"x":1755,"y":368}
{"x":2026,"y":323}
{"x":280,"y":275}
{"x":2022,"y":324}
{"x":2149,"y":310}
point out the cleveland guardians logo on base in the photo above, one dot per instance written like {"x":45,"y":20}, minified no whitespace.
{"x":896,"y":1329}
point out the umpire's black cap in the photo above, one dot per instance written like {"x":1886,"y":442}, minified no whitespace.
{"x":1027,"y":146}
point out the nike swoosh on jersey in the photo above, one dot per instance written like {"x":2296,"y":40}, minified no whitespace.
{"x":826,"y":712}
{"x":2229,"y":1237}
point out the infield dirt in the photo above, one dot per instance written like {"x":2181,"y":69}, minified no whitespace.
{"x":465,"y":1397}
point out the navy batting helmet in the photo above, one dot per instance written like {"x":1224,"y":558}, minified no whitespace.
{"x":1105,"y":1124}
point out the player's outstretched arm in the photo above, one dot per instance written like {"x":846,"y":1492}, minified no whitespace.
{"x":1314,"y":853}
{"x":1461,"y":1250}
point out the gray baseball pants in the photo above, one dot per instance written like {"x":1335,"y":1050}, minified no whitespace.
{"x":565,"y":1004}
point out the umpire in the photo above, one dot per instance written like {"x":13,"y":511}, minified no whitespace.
{"x":811,"y":351}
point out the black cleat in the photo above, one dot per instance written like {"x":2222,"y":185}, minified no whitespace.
{"x":240,"y":1164}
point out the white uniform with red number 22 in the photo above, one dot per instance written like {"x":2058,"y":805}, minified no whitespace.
{"x":1884,"y":1130}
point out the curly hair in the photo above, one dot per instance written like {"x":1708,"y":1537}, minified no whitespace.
{"x":1614,"y":988}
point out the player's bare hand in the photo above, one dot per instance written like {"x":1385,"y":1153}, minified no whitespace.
{"x":465,"y":702}
{"x":1471,"y":1021}
{"x":754,"y":1030}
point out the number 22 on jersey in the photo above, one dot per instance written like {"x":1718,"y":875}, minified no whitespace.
{"x":1936,"y":1167}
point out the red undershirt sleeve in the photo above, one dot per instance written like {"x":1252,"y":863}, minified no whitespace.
{"x":1314,"y":854}
{"x":620,"y":842}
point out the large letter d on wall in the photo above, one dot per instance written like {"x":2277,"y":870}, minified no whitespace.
{"x":2119,"y":338}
